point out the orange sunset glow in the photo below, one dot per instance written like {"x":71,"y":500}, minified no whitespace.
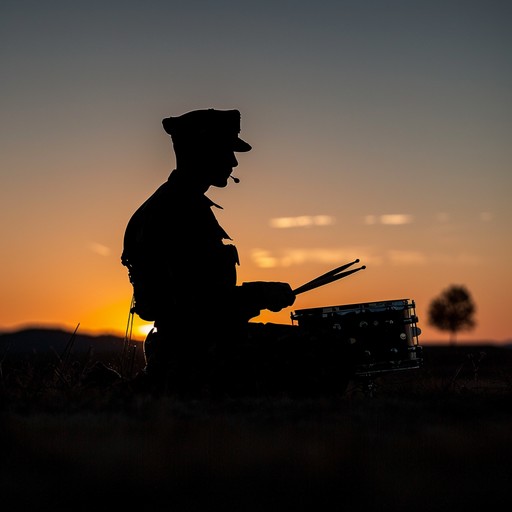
{"x":378,"y":134}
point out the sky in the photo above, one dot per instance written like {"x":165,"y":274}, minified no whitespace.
{"x":380,"y":131}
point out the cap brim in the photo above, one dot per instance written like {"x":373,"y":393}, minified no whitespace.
{"x":241,"y":146}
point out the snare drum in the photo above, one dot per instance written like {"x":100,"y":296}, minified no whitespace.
{"x":383,"y":335}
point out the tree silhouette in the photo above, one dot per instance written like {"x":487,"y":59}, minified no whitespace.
{"x":452,"y":311}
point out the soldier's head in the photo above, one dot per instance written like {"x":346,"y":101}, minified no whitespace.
{"x":206,"y":139}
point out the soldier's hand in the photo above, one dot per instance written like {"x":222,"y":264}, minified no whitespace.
{"x":271,"y":295}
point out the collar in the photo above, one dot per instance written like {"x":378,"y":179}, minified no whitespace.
{"x":176,"y":177}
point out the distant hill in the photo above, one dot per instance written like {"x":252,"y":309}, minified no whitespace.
{"x":41,"y":341}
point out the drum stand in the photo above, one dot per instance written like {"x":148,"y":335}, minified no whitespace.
{"x":368,"y":385}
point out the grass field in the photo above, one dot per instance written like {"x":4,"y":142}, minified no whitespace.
{"x":435,"y":438}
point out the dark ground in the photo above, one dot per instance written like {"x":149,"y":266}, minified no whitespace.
{"x":435,"y":438}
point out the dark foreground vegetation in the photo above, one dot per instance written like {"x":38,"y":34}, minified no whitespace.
{"x":435,"y":438}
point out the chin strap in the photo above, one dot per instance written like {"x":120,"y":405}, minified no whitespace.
{"x":127,"y":342}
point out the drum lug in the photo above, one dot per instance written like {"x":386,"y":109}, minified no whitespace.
{"x":368,"y":386}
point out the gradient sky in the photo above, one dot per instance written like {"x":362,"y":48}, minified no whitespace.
{"x":380,"y":131}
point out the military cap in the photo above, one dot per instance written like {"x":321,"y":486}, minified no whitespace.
{"x":209,"y":124}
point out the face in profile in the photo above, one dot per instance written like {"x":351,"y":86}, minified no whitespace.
{"x":221,"y":161}
{"x":213,"y":161}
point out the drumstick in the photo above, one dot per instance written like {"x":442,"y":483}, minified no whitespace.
{"x":317,"y":282}
{"x":333,"y":272}
{"x":328,"y":277}
{"x":330,"y":273}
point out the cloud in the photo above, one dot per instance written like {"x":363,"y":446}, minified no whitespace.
{"x":333,"y":257}
{"x":442,"y":217}
{"x":390,"y":219}
{"x":302,"y":221}
{"x":407,"y":257}
{"x":306,"y":221}
{"x":265,"y":258}
{"x":460,"y":259}
{"x":101,"y":250}
{"x":486,"y":216}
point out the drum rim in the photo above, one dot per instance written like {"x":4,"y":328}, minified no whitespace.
{"x":356,"y":306}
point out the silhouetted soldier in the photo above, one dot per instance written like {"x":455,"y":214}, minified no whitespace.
{"x":182,"y":264}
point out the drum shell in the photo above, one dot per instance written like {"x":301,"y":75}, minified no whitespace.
{"x":383,"y":335}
